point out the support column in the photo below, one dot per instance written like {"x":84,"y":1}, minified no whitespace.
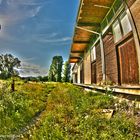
{"x":78,"y":74}
{"x":87,"y":68}
{"x":102,"y":57}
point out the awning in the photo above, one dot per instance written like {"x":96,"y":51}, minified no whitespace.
{"x":90,"y":15}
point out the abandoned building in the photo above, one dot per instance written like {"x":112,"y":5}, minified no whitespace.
{"x":106,"y":43}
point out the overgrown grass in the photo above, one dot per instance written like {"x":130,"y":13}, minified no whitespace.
{"x":73,"y":114}
{"x":19,"y":107}
{"x":70,"y":113}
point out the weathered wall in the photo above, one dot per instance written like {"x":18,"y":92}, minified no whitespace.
{"x":130,"y":2}
{"x":87,"y":69}
{"x":110,"y":59}
{"x":73,"y":78}
{"x":99,"y":74}
{"x":135,"y":10}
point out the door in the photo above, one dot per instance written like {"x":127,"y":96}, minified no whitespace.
{"x":128,"y":63}
{"x":93,"y":72}
{"x":82,"y":73}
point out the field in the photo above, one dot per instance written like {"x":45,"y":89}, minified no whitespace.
{"x":62,"y":111}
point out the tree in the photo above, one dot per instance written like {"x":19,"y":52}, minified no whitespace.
{"x":8,"y":63}
{"x":56,"y":69}
{"x":42,"y":78}
{"x":66,"y":73}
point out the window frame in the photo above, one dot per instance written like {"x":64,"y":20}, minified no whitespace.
{"x":93,"y":54}
{"x":119,"y":19}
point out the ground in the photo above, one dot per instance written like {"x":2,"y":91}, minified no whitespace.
{"x":62,"y":111}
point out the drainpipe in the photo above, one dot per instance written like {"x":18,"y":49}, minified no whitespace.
{"x":103,"y":57}
{"x":101,"y":46}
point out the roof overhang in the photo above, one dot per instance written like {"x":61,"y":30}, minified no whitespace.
{"x":90,"y":15}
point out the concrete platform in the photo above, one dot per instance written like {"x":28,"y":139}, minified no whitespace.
{"x":130,"y":90}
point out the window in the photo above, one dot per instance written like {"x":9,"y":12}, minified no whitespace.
{"x":117,"y":31}
{"x":121,"y":27}
{"x":126,"y":26}
{"x":93,"y":54}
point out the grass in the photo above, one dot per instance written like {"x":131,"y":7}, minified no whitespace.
{"x":19,"y":107}
{"x":70,"y":113}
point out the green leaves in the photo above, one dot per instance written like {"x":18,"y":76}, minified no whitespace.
{"x":18,"y":108}
{"x":56,"y":69}
{"x":7,"y":65}
{"x":66,"y":72}
{"x":72,"y":113}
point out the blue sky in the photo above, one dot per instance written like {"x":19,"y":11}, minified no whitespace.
{"x":36,"y":30}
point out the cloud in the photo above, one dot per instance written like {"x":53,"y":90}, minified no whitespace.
{"x":57,"y":40}
{"x":14,"y":11}
{"x":22,"y":2}
{"x":29,"y":69}
{"x":48,"y":36}
{"x":28,"y":59}
{"x":33,"y":12}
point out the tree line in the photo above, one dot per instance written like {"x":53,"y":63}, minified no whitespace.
{"x":58,"y":72}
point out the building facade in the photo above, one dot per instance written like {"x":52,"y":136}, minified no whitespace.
{"x":106,"y":43}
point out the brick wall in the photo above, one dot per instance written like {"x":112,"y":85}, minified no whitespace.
{"x":110,"y":59}
{"x":99,"y":74}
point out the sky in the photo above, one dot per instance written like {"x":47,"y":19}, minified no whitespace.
{"x":36,"y":30}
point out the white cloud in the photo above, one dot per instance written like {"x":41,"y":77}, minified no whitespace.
{"x":57,"y":40}
{"x":13,"y":12}
{"x":30,"y":69}
{"x":34,"y":11}
{"x":18,"y":10}
{"x":26,"y":2}
{"x":48,"y":36}
{"x":0,"y":1}
{"x":28,"y":59}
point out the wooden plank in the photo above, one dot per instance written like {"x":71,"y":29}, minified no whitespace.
{"x":128,"y":63}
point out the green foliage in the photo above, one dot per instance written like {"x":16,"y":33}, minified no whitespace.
{"x":18,"y":108}
{"x":36,"y":79}
{"x":70,"y":113}
{"x":75,"y":114}
{"x":56,"y":69}
{"x":66,"y":73}
{"x":7,"y":65}
{"x":42,"y":78}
